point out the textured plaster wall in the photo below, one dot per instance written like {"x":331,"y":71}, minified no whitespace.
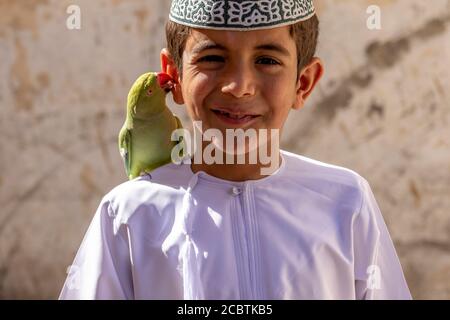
{"x":382,"y":109}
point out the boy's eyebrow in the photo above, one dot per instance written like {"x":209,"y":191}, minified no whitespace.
{"x":207,"y":45}
{"x":274,"y":47}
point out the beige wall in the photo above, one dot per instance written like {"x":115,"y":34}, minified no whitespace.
{"x":382,"y":109}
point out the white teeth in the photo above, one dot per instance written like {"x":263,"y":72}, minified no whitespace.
{"x":231,"y":116}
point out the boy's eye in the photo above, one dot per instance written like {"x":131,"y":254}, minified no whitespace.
{"x":220,"y":59}
{"x":268,"y":61}
{"x":211,"y":59}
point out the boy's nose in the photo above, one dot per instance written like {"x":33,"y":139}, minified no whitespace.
{"x":239,"y":82}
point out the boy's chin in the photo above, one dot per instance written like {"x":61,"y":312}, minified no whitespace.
{"x":237,"y":149}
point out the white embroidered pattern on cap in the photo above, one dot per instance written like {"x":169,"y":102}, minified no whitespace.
{"x":249,"y":13}
{"x":205,"y":11}
{"x":240,"y":14}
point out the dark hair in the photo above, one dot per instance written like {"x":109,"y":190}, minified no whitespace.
{"x":305,"y":34}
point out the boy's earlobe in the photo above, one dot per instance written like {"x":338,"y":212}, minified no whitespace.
{"x":308,"y":79}
{"x":168,"y":66}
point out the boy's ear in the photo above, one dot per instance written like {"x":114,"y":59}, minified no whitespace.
{"x":169,"y":67}
{"x":308,"y":78}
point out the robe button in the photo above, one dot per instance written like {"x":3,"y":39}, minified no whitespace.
{"x":236,"y":190}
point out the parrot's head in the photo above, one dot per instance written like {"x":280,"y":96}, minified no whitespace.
{"x":147,"y":97}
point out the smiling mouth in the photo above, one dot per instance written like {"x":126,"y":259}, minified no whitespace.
{"x":234,"y":119}
{"x":234,"y":116}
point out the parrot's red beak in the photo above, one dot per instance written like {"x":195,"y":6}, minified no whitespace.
{"x":165,"y":81}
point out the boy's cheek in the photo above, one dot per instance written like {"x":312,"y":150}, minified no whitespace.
{"x":196,"y":89}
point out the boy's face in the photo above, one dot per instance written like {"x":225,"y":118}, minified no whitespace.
{"x":250,"y":73}
{"x":251,"y":76}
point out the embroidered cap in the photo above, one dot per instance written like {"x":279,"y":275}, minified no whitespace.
{"x":240,"y":15}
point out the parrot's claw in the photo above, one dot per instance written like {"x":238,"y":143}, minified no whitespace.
{"x":144,"y":173}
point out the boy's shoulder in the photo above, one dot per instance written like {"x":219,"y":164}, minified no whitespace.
{"x":322,"y":170}
{"x":163,"y":182}
{"x":326,"y":177}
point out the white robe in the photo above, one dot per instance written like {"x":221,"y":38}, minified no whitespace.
{"x":311,"y":230}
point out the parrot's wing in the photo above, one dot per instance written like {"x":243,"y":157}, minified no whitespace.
{"x":125,"y":149}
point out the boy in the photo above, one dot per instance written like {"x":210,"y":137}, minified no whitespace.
{"x":223,"y":230}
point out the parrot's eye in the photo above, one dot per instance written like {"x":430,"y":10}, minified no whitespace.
{"x":149,"y":92}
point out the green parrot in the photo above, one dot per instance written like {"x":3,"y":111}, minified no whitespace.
{"x":145,"y":138}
